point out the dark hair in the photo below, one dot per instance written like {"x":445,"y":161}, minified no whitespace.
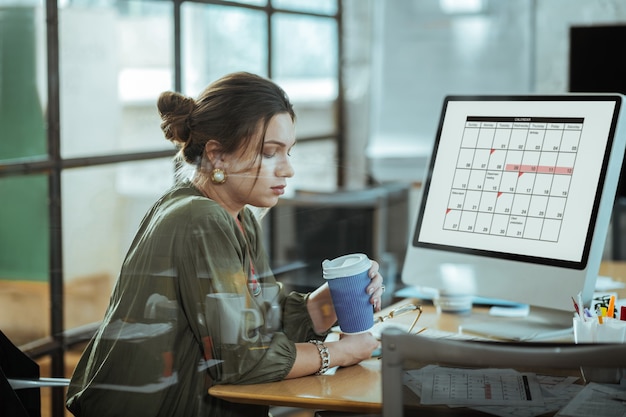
{"x":228,"y":111}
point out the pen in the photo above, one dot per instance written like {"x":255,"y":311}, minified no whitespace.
{"x":580,"y":305}
{"x":611,"y":306}
{"x":603,"y":311}
{"x":576,"y":306}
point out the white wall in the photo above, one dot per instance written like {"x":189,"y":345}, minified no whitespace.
{"x":421,"y":54}
{"x":553,"y":20}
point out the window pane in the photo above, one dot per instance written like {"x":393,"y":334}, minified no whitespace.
{"x":305,"y":65}
{"x":218,"y":40}
{"x":114,"y":64}
{"x":315,"y":119}
{"x":306,"y":56}
{"x":102,"y":209}
{"x":315,"y":166}
{"x":24,"y":247}
{"x":22,"y":99}
{"x":24,"y":228}
{"x":319,"y":6}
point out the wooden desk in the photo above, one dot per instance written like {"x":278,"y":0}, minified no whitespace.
{"x":358,"y":388}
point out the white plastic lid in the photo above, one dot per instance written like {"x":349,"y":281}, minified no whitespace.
{"x":345,"y":266}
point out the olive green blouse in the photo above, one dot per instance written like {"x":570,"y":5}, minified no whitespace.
{"x":164,"y":340}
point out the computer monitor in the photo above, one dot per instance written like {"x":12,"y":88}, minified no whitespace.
{"x":516,"y":204}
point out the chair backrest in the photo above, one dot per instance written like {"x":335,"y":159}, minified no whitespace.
{"x":399,"y":349}
{"x":15,"y":364}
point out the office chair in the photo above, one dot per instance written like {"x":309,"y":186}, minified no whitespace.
{"x":400,"y":349}
{"x":20,"y":382}
{"x":14,"y":364}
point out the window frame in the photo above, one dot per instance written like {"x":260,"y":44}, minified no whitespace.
{"x":53,"y":165}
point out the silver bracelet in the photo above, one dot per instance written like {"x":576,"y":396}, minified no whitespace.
{"x":324,"y":355}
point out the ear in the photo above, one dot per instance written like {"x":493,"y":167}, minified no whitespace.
{"x":214,"y":153}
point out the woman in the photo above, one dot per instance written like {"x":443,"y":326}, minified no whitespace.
{"x":190,"y":308}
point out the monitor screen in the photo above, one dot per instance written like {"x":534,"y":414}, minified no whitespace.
{"x":517,"y":198}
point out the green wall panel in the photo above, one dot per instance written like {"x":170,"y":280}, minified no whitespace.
{"x":24,"y":229}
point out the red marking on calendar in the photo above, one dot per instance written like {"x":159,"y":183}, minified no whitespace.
{"x":543,"y":169}
{"x":492,"y":151}
{"x":564,"y":170}
{"x":528,"y":168}
{"x":499,"y":193}
{"x":448,"y":210}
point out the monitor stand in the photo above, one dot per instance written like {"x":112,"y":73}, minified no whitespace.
{"x":541,"y":324}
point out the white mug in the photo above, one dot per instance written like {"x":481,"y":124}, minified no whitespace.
{"x":271,"y":306}
{"x":229,"y":319}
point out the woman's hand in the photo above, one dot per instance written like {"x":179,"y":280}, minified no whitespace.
{"x":348,"y":350}
{"x":375,"y":287}
{"x":354,"y":348}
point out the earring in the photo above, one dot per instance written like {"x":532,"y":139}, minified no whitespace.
{"x":218,"y":176}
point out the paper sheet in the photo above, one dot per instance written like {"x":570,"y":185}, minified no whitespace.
{"x":467,"y":387}
{"x":598,"y":400}
{"x":556,"y":392}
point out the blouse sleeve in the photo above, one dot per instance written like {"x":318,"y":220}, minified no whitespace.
{"x":297,"y":323}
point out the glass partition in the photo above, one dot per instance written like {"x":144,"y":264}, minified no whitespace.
{"x":102,"y":209}
{"x":83,"y":157}
{"x":22,"y":92}
{"x":306,"y":56}
{"x":217,"y":40}
{"x":116,"y":58}
{"x":315,"y":166}
{"x":24,"y":246}
{"x":306,"y":65}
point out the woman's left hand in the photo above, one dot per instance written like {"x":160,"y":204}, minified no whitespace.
{"x":375,"y":287}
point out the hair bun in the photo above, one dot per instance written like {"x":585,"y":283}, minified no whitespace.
{"x":175,"y":110}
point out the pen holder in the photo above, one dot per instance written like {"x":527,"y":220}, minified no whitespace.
{"x":592,"y":331}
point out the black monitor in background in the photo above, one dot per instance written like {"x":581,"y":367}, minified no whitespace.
{"x":311,"y":226}
{"x":597,"y":64}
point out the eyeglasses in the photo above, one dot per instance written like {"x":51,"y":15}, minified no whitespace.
{"x":403,"y":309}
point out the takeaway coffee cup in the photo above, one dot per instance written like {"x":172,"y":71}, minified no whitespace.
{"x":229,"y":319}
{"x":347,"y":278}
